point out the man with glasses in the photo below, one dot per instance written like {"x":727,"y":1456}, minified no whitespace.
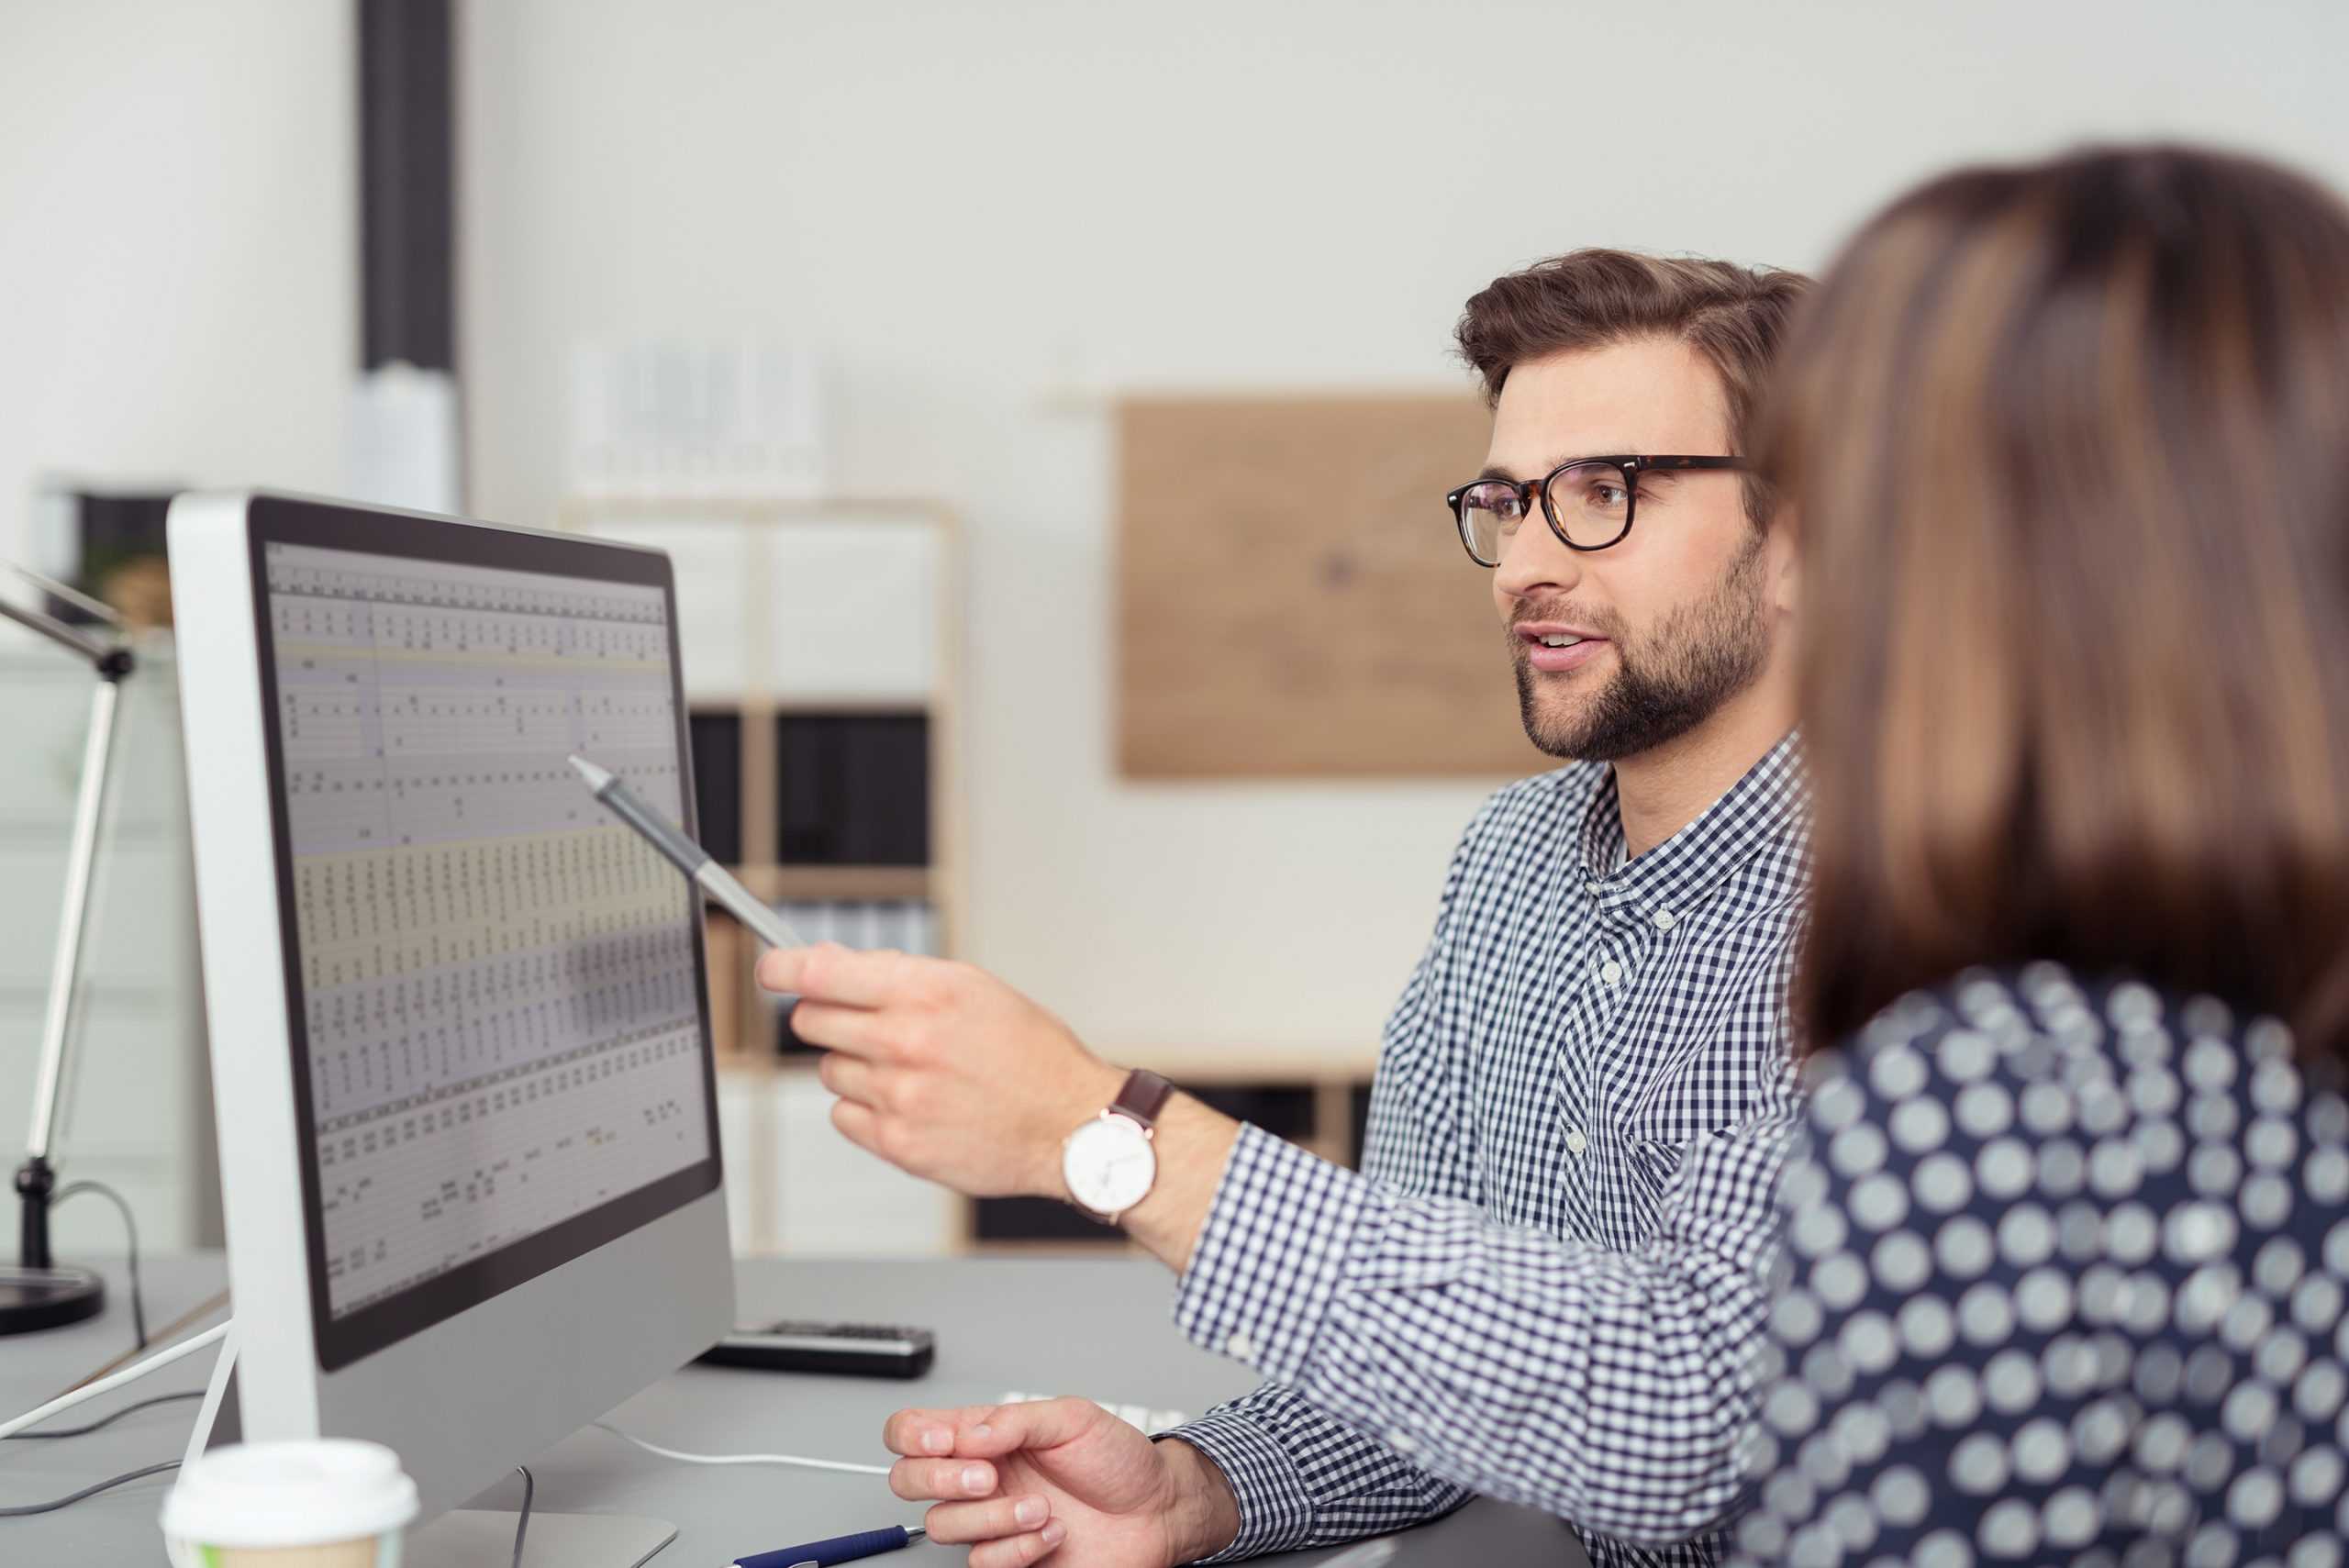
{"x":1546,"y":1284}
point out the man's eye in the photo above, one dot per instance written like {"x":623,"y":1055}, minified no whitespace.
{"x":1498,"y":502}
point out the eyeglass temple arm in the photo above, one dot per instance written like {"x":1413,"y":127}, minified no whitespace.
{"x":1669,"y":462}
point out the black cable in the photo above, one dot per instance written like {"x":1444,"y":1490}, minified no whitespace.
{"x":123,"y":1479}
{"x":138,"y":1300}
{"x":108,"y":1420}
{"x":522,"y":1524}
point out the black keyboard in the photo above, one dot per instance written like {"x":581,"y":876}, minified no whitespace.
{"x":854,"y":1350}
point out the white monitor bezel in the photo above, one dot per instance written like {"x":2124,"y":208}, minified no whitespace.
{"x":465,"y":1381}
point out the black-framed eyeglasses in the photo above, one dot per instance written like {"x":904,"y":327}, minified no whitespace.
{"x":1590,"y":502}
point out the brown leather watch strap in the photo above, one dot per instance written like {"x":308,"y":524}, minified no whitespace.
{"x":1143,"y":1097}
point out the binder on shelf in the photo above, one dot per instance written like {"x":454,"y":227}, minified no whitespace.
{"x":718,"y":785}
{"x":854,"y":789}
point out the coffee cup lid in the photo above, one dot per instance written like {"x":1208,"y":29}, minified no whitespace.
{"x":290,"y":1494}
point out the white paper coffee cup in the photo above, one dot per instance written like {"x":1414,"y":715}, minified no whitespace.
{"x":330,"y":1503}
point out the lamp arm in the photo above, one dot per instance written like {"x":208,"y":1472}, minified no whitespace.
{"x":57,"y":631}
{"x":35,"y":1180}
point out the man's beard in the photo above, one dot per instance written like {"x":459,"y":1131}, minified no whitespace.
{"x":1703,"y":654}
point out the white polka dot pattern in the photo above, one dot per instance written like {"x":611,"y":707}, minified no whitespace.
{"x":2063,"y":1280}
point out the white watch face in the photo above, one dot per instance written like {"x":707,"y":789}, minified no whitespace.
{"x":1109,"y":1164}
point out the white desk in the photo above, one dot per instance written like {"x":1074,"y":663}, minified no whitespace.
{"x":1096,"y":1327}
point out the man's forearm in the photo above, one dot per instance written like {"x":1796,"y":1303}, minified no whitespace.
{"x":1542,"y":1367}
{"x":1193,"y":1143}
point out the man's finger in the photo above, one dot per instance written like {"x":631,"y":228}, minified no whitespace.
{"x":918,"y":1431}
{"x":935,"y":1480}
{"x":1020,"y":1550}
{"x":830,"y":973}
{"x":958,"y":1524}
{"x":990,"y":1432}
{"x":846,"y":1077}
{"x":856,"y":1123}
{"x":859,"y":1031}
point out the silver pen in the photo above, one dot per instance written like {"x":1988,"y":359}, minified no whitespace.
{"x":689,"y":857}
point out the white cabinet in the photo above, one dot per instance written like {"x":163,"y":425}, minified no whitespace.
{"x":852,"y":615}
{"x":800,"y":607}
{"x":795,"y":1186}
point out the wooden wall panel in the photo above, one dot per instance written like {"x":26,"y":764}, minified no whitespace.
{"x":1293,"y":601}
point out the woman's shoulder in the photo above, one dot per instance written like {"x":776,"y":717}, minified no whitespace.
{"x":2041,"y":1049}
{"x":2032,"y":1210}
{"x":2084,"y":1120}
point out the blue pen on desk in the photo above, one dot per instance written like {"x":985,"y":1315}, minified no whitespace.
{"x":839,"y":1548}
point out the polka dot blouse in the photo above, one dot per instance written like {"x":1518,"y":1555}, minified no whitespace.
{"x":2063,"y":1281}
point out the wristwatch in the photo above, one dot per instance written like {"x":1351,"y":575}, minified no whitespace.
{"x":1108,"y":1163}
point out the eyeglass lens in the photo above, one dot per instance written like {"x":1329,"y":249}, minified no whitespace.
{"x":1592,"y":504}
{"x":1590,"y":501}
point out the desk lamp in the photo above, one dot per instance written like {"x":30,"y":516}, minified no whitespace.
{"x":38,"y":1293}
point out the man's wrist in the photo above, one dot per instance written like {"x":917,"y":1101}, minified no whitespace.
{"x":1193,"y":1145}
{"x":1202,"y":1511}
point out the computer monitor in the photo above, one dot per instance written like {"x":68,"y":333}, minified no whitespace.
{"x":461,"y":1045}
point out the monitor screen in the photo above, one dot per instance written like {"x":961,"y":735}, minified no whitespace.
{"x":501,"y":1052}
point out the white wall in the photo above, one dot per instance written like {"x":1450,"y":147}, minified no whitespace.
{"x":178,"y":244}
{"x":972,"y":206}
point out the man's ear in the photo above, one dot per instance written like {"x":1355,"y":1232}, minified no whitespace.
{"x":1786,"y":575}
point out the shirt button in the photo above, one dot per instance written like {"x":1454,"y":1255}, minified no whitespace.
{"x":1576,"y":1141}
{"x":1240,"y":1347}
{"x":1593,"y":888}
{"x":1610,"y":972}
{"x":1402,"y":1442}
{"x":1664,"y":919}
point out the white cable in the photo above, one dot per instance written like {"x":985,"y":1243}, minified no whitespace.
{"x":744,"y":1458}
{"x":115,"y":1380}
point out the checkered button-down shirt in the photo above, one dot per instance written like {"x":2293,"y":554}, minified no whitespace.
{"x":1548,"y":1283}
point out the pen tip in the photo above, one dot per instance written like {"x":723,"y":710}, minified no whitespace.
{"x":594,"y":775}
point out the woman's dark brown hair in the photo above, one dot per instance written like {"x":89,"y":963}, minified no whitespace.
{"x":2067,"y":448}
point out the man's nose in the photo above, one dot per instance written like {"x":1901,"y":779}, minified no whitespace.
{"x":1535,"y":563}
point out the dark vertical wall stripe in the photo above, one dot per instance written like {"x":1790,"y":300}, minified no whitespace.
{"x":407,"y":183}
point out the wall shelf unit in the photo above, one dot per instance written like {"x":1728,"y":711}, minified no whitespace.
{"x":822,"y":643}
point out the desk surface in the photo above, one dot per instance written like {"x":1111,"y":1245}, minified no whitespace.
{"x":1098,"y":1327}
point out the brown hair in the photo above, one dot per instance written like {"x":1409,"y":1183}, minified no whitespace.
{"x":2068,"y":448}
{"x":1734,"y":316}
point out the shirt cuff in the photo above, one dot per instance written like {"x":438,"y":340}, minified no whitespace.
{"x":1276,"y":1509}
{"x":1269,"y":1259}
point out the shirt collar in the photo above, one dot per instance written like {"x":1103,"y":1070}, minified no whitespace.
{"x":1660,"y":886}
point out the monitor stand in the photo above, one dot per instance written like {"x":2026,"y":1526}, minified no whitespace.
{"x":468,"y":1538}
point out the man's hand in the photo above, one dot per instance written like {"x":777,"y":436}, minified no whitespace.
{"x":940,"y":1068}
{"x":946,"y":1071}
{"x":1017,"y":1482}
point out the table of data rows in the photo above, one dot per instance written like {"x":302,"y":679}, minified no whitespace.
{"x":498,"y":981}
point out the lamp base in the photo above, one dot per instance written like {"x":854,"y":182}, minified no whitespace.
{"x":34,"y":1299}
